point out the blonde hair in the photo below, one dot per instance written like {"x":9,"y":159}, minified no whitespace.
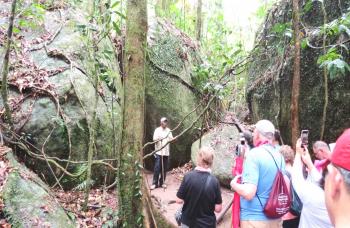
{"x":287,"y":153}
{"x":205,"y":157}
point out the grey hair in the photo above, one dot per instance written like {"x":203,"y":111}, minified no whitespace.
{"x":320,"y":144}
{"x":346,"y":176}
{"x":268,"y":135}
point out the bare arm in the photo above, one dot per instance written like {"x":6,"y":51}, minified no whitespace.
{"x":247,"y":191}
{"x":179,"y":201}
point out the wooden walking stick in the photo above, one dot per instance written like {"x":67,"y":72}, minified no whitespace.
{"x":222,"y":215}
{"x":163,"y":174}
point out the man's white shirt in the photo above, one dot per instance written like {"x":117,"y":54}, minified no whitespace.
{"x":162,"y":136}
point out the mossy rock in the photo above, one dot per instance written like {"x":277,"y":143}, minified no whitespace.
{"x":37,"y":118}
{"x":28,"y":201}
{"x":223,"y":140}
{"x":169,"y":87}
{"x":271,"y":71}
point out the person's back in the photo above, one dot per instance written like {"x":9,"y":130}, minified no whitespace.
{"x":259,"y":172}
{"x":203,"y":215}
{"x":260,"y":169}
{"x":200,"y":193}
{"x":314,"y":212}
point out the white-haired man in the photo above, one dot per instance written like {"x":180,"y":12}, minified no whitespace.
{"x":259,"y":171}
{"x":162,"y":136}
{"x":322,"y":153}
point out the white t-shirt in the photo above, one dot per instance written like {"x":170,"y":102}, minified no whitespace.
{"x":314,"y":213}
{"x":163,"y":136}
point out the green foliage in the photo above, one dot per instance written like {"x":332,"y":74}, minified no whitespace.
{"x":79,"y":172}
{"x":283,"y":29}
{"x":29,"y":16}
{"x":181,"y":14}
{"x":222,"y":45}
{"x":304,"y":43}
{"x":334,"y":63}
{"x":334,"y":60}
{"x":337,"y":27}
{"x":308,"y":6}
{"x":218,"y":56}
{"x":263,"y":9}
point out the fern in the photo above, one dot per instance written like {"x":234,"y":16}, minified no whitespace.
{"x":82,"y":186}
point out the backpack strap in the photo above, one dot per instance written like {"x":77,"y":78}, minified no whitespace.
{"x":279,"y":168}
{"x":205,"y":186}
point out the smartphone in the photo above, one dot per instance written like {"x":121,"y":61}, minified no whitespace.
{"x":304,"y":138}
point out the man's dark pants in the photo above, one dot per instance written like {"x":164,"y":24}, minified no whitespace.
{"x":159,"y":171}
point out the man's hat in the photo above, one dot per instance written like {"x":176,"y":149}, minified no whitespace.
{"x":341,"y":154}
{"x":163,"y":119}
{"x":265,"y":127}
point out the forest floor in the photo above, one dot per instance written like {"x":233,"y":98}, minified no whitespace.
{"x":164,"y":199}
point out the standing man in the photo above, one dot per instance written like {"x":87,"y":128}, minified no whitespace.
{"x":259,"y":172}
{"x":337,"y":186}
{"x":162,"y":136}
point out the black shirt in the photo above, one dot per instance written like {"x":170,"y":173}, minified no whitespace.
{"x":199,"y":212}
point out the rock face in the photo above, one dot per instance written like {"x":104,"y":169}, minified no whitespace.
{"x":54,"y":94}
{"x":28,"y":201}
{"x":223,"y":139}
{"x":270,"y":73}
{"x":169,"y":90}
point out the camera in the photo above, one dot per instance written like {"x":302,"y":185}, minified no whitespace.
{"x":241,"y":138}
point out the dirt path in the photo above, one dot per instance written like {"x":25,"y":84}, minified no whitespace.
{"x":165,"y":199}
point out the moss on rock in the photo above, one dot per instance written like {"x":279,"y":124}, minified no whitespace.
{"x":28,"y":201}
{"x":37,"y":117}
{"x":168,"y":87}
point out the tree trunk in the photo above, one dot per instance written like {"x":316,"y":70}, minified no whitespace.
{"x":95,"y":73}
{"x":5,"y":66}
{"x":296,"y":75}
{"x":199,"y":21}
{"x":130,"y":178}
{"x":165,"y":5}
{"x":325,"y":75}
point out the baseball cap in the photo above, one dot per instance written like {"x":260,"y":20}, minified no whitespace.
{"x":163,"y":119}
{"x":265,"y":127}
{"x":341,"y":154}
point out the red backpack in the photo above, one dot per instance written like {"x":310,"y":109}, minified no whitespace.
{"x":279,"y":200}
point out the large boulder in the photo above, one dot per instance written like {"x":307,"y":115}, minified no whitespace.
{"x":27,"y":201}
{"x":223,"y":140}
{"x":53,"y":95}
{"x":169,"y":88}
{"x":271,"y":72}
